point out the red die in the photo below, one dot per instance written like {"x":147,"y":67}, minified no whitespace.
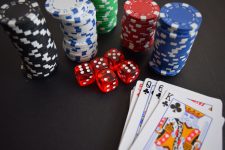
{"x":106,"y":80}
{"x":115,"y":57}
{"x":84,"y":74}
{"x":128,"y":71}
{"x":99,"y":64}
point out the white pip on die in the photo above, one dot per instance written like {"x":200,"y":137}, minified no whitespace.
{"x":128,"y":71}
{"x":84,"y":74}
{"x":115,"y":57}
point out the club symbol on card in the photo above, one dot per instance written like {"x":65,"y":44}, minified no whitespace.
{"x":165,"y":103}
{"x":176,"y":107}
{"x":146,"y":91}
{"x":158,"y":95}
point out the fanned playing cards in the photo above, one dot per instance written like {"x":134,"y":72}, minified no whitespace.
{"x":162,"y":116}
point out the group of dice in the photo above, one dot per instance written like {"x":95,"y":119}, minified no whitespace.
{"x":102,"y":70}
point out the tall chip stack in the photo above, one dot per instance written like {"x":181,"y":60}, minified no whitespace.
{"x":176,"y":32}
{"x":139,"y":24}
{"x":107,"y":11}
{"x":78,"y":24}
{"x":28,"y":31}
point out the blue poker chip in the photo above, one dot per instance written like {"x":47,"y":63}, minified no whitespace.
{"x":168,"y":39}
{"x":168,"y":47}
{"x":165,"y":71}
{"x":180,"y":17}
{"x":176,"y":32}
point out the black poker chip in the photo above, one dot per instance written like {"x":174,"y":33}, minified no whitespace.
{"x":26,"y":26}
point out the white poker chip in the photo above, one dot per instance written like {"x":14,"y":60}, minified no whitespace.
{"x":80,"y":33}
{"x":64,"y":10}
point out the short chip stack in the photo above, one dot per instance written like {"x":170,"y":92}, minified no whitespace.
{"x":26,"y":27}
{"x":107,"y":11}
{"x":139,"y":24}
{"x":176,"y":31}
{"x":78,"y":23}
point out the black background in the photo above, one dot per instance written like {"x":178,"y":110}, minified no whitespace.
{"x":58,"y":114}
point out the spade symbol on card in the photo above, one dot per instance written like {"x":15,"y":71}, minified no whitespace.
{"x":146,"y":91}
{"x":158,"y":95}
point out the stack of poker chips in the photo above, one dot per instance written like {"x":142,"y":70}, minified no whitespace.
{"x":26,"y":27}
{"x":78,"y":24}
{"x":107,"y":11}
{"x":139,"y":24}
{"x":176,"y":32}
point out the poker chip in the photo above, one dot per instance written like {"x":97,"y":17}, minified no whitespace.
{"x":139,"y":24}
{"x":79,"y":27}
{"x":26,"y":26}
{"x":106,"y":13}
{"x":177,"y":29}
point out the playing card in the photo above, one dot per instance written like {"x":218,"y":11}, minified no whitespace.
{"x":147,"y":112}
{"x":178,"y":123}
{"x":134,"y":97}
{"x":206,"y":102}
{"x":131,"y":94}
{"x":138,"y":114}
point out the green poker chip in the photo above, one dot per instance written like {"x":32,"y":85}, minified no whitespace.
{"x":106,"y":14}
{"x":105,"y":28}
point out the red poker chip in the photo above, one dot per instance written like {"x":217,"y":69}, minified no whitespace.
{"x":135,"y":21}
{"x":137,"y":25}
{"x":143,"y":10}
{"x":140,"y":41}
{"x":135,"y":29}
{"x":135,"y":36}
{"x":141,"y":44}
{"x":133,"y":47}
{"x":133,"y":41}
{"x":137,"y":42}
{"x":138,"y":34}
{"x":138,"y":28}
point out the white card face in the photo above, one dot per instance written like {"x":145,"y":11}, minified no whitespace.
{"x":206,"y":102}
{"x":147,"y":112}
{"x":178,"y":123}
{"x":134,"y":97}
{"x":131,"y":94}
{"x":138,"y":114}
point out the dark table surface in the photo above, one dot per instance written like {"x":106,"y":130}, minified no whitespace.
{"x":58,"y":114}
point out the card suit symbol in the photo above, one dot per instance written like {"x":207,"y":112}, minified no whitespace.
{"x":146,"y":91}
{"x":165,"y":103}
{"x":158,"y":95}
{"x":176,"y":107}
